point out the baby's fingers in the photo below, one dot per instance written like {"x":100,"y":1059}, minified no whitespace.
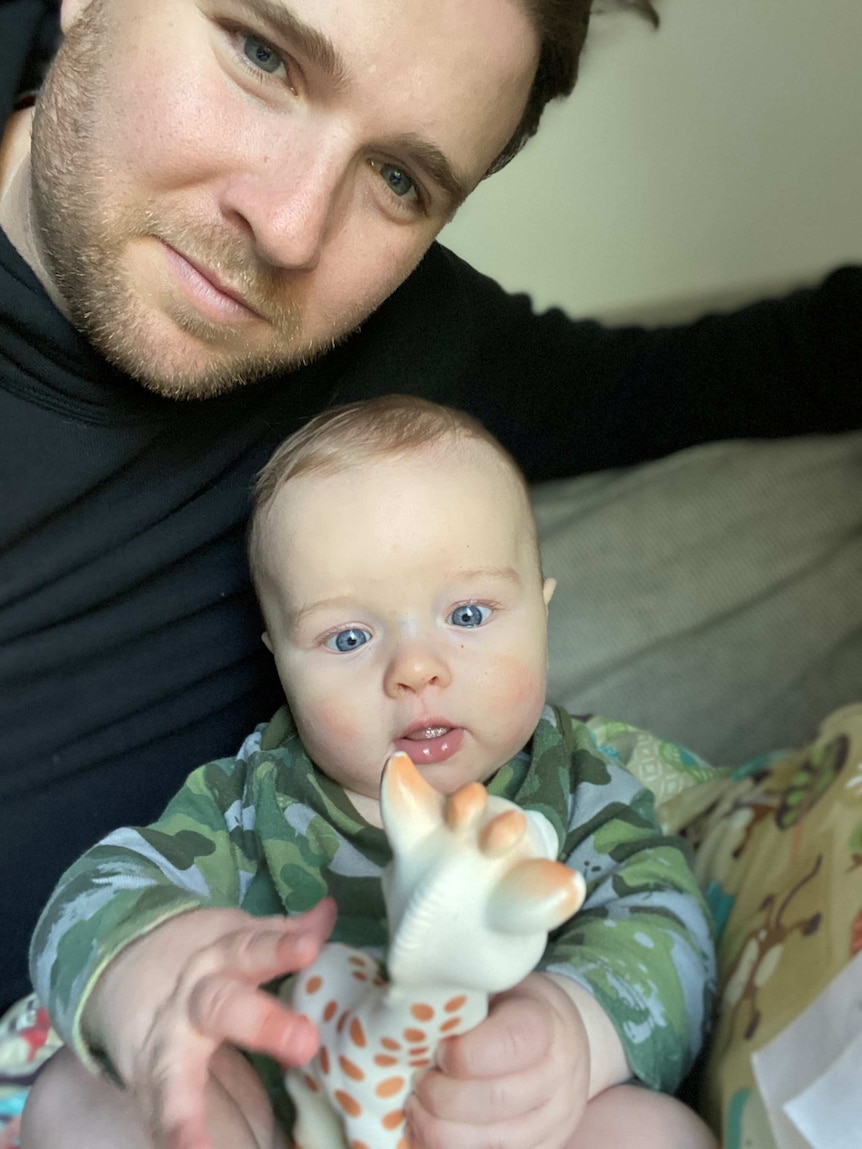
{"x":266,"y":948}
{"x":224,"y":1009}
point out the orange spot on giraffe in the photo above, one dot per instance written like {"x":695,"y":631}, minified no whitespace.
{"x":313,"y":984}
{"x":389,"y":1086}
{"x":418,"y":1050}
{"x":340,"y":1023}
{"x":422,"y":1012}
{"x":455,"y":1003}
{"x":414,"y":1035}
{"x":452,"y":1023}
{"x":351,"y":1069}
{"x":357,"y":1033}
{"x":419,"y":1062}
{"x":349,"y":1104}
{"x":311,"y":1083}
{"x":357,"y":976}
{"x":358,"y":1145}
{"x":356,"y":960}
{"x":394,"y":1119}
{"x":330,"y":1011}
{"x":323,"y":1058}
{"x":390,"y":1043}
{"x":385,"y":1061}
{"x":403,"y":1143}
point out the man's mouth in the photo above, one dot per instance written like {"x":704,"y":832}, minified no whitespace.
{"x":209,"y":291}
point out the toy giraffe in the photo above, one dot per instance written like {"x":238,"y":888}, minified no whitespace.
{"x":471,"y":894}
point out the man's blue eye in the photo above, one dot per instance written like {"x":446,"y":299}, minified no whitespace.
{"x":470,"y":615}
{"x":398,"y":181}
{"x":347,"y":640}
{"x":261,"y":54}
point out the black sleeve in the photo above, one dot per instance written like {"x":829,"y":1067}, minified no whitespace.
{"x":572,"y":396}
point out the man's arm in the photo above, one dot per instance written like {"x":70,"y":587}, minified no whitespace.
{"x":573,"y":396}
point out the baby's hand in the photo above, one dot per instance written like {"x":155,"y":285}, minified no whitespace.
{"x":519,"y":1080}
{"x":165,"y":1005}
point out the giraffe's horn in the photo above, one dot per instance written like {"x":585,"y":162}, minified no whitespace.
{"x":535,"y":895}
{"x":411,"y":809}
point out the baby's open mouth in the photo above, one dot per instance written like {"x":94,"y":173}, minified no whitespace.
{"x":429,"y":744}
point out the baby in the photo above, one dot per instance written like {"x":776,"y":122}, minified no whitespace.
{"x":396,"y":561}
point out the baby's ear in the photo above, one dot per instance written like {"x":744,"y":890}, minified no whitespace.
{"x":267,"y":641}
{"x":550,"y":585}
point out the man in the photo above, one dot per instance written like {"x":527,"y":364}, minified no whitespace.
{"x":226,"y":192}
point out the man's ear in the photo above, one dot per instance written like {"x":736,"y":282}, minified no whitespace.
{"x":267,"y":642}
{"x":548,"y":588}
{"x":70,"y":10}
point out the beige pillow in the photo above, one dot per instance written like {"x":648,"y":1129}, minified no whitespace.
{"x":712,"y":597}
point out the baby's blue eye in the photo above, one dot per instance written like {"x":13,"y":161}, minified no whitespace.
{"x":261,"y":54}
{"x":347,"y":640}
{"x":472,"y":614}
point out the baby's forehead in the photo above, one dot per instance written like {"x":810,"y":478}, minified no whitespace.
{"x":440,"y":480}
{"x":472,"y":460}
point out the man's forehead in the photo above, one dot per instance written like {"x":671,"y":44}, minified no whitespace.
{"x":458,"y":74}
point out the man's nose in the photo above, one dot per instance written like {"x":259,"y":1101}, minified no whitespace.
{"x":414,"y":666}
{"x":289,"y":203}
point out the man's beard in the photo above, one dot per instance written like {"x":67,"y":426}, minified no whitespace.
{"x":84,"y":229}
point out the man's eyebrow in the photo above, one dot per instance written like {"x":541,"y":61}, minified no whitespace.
{"x":322,"y":53}
{"x":310,"y":42}
{"x":456,"y":184}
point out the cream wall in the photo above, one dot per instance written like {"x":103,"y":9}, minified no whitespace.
{"x":712,"y":160}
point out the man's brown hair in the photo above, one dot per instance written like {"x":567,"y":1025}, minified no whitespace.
{"x":562,"y":27}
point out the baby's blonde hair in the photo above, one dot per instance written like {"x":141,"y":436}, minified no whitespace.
{"x":339,"y":438}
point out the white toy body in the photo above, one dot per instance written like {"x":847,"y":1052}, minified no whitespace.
{"x":471,"y":894}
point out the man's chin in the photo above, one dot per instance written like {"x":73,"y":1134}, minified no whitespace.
{"x":193,"y":370}
{"x":207,"y":384}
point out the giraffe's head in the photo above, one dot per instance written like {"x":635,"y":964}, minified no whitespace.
{"x":475,"y":875}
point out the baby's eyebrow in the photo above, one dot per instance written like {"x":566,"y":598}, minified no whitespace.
{"x":299,"y":614}
{"x":477,"y":573}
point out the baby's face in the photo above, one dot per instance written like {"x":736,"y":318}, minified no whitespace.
{"x":406,"y":611}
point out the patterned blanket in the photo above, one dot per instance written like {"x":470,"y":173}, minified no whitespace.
{"x":26,"y":1042}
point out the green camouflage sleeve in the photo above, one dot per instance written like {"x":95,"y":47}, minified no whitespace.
{"x":642,"y":944}
{"x":201,"y":852}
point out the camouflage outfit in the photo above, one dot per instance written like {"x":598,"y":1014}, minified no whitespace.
{"x":268,"y":832}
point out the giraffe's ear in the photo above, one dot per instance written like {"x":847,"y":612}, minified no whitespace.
{"x":411,"y":809}
{"x":535,"y":895}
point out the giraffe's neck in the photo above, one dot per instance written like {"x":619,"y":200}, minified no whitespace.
{"x":423,"y":1015}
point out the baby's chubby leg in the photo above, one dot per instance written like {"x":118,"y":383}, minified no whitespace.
{"x":627,"y":1115}
{"x":69,"y":1108}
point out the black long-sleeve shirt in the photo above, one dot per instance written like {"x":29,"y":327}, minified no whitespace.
{"x":129,"y":635}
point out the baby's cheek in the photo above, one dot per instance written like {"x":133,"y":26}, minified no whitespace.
{"x":520,"y":692}
{"x":331,"y":721}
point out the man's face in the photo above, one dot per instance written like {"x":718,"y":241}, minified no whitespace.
{"x":406,"y":611}
{"x":227,"y":187}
